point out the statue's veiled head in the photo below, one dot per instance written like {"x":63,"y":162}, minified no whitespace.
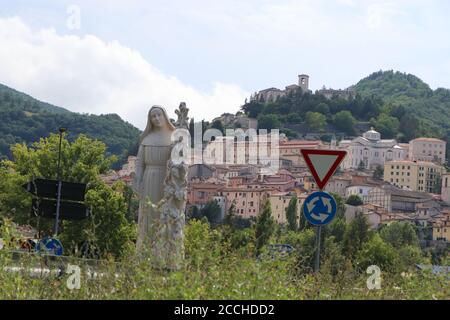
{"x":157,"y":120}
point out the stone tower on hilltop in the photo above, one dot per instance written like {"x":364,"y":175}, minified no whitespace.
{"x":303,"y":82}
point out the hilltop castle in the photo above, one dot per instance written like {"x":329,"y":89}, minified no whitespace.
{"x":272,"y":94}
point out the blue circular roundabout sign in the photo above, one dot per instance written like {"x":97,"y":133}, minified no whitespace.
{"x":50,"y":246}
{"x":319,"y":208}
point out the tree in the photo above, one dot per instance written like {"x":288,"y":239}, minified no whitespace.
{"x":303,"y":223}
{"x":386,"y":125}
{"x":379,"y":253}
{"x":410,"y":256}
{"x":399,"y":234}
{"x":253,"y":108}
{"x":343,"y":120}
{"x":315,"y":120}
{"x":322,"y":108}
{"x":195,"y":212}
{"x":81,"y":161}
{"x":212,"y":212}
{"x":291,"y":214}
{"x":336,"y":229}
{"x":231,"y":214}
{"x":356,"y":233}
{"x":409,"y":126}
{"x":437,"y":186}
{"x":354,"y":200}
{"x":217,"y":124}
{"x":265,"y":226}
{"x":378,"y":172}
{"x":15,"y":202}
{"x":340,"y":204}
{"x":107,"y":230}
{"x":268,"y":121}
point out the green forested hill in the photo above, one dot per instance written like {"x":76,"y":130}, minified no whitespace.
{"x":431,"y":108}
{"x":399,"y":105}
{"x":25,"y":119}
{"x":15,"y":99}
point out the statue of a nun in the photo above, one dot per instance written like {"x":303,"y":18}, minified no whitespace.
{"x":161,"y":186}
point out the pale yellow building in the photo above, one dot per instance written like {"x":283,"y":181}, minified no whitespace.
{"x":427,"y":149}
{"x":413,"y":175}
{"x":279,"y":201}
{"x":441,"y":227}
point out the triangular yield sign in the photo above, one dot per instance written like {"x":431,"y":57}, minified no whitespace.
{"x":322,"y":164}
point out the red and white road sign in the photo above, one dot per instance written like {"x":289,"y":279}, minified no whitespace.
{"x":322,"y":164}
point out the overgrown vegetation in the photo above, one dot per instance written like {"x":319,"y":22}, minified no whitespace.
{"x":214,"y":269}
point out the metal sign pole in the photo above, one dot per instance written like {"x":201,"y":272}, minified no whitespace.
{"x":317,"y":262}
{"x":58,"y":199}
{"x":58,"y":205}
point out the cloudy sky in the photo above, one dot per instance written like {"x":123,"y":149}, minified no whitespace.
{"x":111,"y":56}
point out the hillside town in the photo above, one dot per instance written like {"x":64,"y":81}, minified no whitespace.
{"x":395,"y":182}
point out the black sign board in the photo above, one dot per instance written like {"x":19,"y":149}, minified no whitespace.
{"x":46,"y":188}
{"x":68,"y":210}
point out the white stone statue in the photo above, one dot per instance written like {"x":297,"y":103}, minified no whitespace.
{"x":161,"y":186}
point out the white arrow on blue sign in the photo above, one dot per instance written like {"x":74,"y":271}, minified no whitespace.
{"x":50,"y":246}
{"x":319,"y":208}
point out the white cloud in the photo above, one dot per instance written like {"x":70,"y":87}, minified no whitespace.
{"x":86,"y":74}
{"x":380,"y":14}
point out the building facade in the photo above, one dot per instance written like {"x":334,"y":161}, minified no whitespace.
{"x":291,"y":150}
{"x":394,"y":199}
{"x":247,"y":200}
{"x":279,"y":202}
{"x":414,"y":175}
{"x":445,"y":189}
{"x":370,"y":151}
{"x":441,"y":227}
{"x":427,"y":149}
